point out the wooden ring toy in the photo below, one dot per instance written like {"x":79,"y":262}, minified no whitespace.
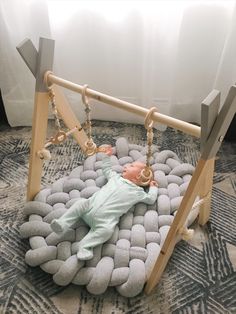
{"x":46,"y":81}
{"x":148,"y":123}
{"x":59,"y":137}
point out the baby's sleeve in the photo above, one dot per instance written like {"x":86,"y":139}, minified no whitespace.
{"x":151,"y":196}
{"x":106,"y":167}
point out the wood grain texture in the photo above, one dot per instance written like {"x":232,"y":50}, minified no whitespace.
{"x":39,"y":131}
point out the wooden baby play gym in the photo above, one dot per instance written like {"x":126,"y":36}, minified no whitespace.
{"x":142,"y":244}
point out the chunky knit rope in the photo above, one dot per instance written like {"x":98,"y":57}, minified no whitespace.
{"x":126,"y":260}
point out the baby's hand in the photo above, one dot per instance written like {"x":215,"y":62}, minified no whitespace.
{"x":106,"y":149}
{"x":153,"y":183}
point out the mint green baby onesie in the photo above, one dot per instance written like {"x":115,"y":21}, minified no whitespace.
{"x":103,"y":209}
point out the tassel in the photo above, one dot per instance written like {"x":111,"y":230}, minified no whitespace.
{"x":44,"y":154}
{"x":186,"y":234}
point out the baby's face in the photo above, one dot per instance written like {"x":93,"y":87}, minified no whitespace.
{"x":132,"y":171}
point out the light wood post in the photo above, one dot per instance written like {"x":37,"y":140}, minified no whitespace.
{"x":38,"y":62}
{"x":206,"y":191}
{"x":178,"y":222}
{"x":211,"y":147}
{"x":39,"y":132}
{"x":209,"y":111}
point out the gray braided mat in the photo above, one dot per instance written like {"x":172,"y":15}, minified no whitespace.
{"x":200,"y":276}
{"x":125,"y":261}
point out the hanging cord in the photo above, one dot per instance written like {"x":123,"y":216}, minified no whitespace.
{"x":185,"y":233}
{"x":90,"y":146}
{"x":202,"y":200}
{"x":61,"y":135}
{"x":146,"y":175}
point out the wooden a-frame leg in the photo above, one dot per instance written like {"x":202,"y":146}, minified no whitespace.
{"x":206,"y":190}
{"x":39,"y":62}
{"x":39,"y":132}
{"x":178,"y":222}
{"x":209,"y":152}
{"x":209,"y":112}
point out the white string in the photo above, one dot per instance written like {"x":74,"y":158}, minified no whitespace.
{"x":202,"y":200}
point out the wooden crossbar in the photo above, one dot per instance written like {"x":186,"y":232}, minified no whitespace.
{"x":181,"y":125}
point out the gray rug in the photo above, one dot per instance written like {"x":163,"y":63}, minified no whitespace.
{"x":200,"y":276}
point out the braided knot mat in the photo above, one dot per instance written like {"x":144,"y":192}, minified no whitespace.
{"x":126,"y":260}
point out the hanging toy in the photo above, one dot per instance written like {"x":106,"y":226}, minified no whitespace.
{"x":91,"y":147}
{"x":60,"y":135}
{"x":146,"y":175}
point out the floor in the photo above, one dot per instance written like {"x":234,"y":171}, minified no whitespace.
{"x":200,"y":276}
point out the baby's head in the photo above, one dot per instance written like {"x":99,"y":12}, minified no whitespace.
{"x":132,"y":172}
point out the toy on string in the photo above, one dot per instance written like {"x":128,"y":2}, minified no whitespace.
{"x":60,"y":135}
{"x":91,"y":147}
{"x":146,"y":175}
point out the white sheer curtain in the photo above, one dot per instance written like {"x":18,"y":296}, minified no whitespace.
{"x":170,"y":54}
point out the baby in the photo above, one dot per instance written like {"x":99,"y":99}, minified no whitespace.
{"x":104,"y":208}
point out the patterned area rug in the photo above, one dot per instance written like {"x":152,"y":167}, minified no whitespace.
{"x":200,"y":276}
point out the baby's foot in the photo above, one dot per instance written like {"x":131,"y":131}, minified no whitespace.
{"x":84,"y":254}
{"x":56,"y":227}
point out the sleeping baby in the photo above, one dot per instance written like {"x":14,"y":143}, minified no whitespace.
{"x":104,"y":208}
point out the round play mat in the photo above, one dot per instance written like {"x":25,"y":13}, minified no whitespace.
{"x":125,"y":261}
